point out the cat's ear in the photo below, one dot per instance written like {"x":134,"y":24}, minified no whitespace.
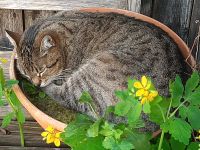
{"x":46,"y":43}
{"x":13,"y":37}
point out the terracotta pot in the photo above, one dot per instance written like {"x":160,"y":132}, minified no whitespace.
{"x":45,"y":120}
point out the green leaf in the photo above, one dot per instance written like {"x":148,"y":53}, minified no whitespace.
{"x":20,"y":116}
{"x":194,"y":98}
{"x":155,"y":115}
{"x":183,"y":112}
{"x":156,"y":100}
{"x":117,"y":133}
{"x":166,"y":125}
{"x":146,"y":108}
{"x":93,"y":131}
{"x":126,"y":145}
{"x":179,"y":129}
{"x":7,"y":119}
{"x":2,"y":103}
{"x":122,"y":95}
{"x":109,"y":109}
{"x":107,"y":129}
{"x":42,"y":95}
{"x":193,"y":117}
{"x":15,"y":101}
{"x":2,"y":79}
{"x":130,"y":84}
{"x":122,"y":108}
{"x":177,"y":91}
{"x":139,"y":140}
{"x":10,"y":83}
{"x":1,"y":91}
{"x":75,"y":135}
{"x":85,"y":97}
{"x":134,"y":113}
{"x":109,"y":142}
{"x":176,"y":145}
{"x":193,"y":146}
{"x":191,"y":83}
{"x":165,"y":145}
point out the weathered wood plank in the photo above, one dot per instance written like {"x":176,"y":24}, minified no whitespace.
{"x":10,"y":20}
{"x":30,"y":16}
{"x":61,"y":4}
{"x":32,"y":135}
{"x":146,"y":7}
{"x":29,"y":128}
{"x":134,"y":5}
{"x":194,"y":24}
{"x":175,"y":14}
{"x":30,"y":141}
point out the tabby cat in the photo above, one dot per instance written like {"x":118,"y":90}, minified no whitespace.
{"x":75,"y":51}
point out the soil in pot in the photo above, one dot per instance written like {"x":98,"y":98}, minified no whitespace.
{"x":44,"y":102}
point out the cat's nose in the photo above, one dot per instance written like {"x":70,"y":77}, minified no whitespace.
{"x":36,"y":81}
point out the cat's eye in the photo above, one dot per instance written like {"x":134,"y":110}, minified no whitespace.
{"x":46,"y":43}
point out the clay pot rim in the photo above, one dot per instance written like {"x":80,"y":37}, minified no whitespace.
{"x":43,"y":119}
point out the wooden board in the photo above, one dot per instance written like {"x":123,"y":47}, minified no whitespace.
{"x":32,"y":135}
{"x":194,"y":25}
{"x":61,"y":4}
{"x":134,"y":5}
{"x":175,"y":14}
{"x":146,"y":7}
{"x":30,"y":16}
{"x":10,"y":20}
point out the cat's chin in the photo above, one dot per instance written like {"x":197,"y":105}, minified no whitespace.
{"x":42,"y":85}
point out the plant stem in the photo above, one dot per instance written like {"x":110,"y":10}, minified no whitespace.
{"x":163,"y":116}
{"x":6,"y":93}
{"x":161,"y":140}
{"x":170,"y":104}
{"x":21,"y":133}
{"x":92,"y":109}
{"x":174,"y":112}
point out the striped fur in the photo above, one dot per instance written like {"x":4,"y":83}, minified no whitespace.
{"x":97,"y":53}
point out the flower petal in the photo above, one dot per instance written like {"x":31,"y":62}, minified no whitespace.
{"x":140,"y":92}
{"x":154,"y":93}
{"x":58,"y":135}
{"x":146,"y":93}
{"x":3,"y":60}
{"x":44,"y":134}
{"x":137,"y":85}
{"x":144,"y":100}
{"x":144,"y":81}
{"x":50,"y":138}
{"x":57,"y":142}
{"x":148,"y":85}
{"x":50,"y":129}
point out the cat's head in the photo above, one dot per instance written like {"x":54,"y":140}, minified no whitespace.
{"x":39,"y":57}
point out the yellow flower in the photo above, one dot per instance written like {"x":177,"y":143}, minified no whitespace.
{"x":51,"y":136}
{"x":3,"y":60}
{"x":149,"y":97}
{"x":142,"y":86}
{"x":144,"y":92}
{"x":198,"y":137}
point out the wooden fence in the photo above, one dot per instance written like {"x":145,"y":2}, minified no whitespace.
{"x":182,"y":16}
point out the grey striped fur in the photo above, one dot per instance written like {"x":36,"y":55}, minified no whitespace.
{"x":99,"y":52}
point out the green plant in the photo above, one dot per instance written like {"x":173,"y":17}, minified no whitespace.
{"x":176,"y":115}
{"x":12,"y":100}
